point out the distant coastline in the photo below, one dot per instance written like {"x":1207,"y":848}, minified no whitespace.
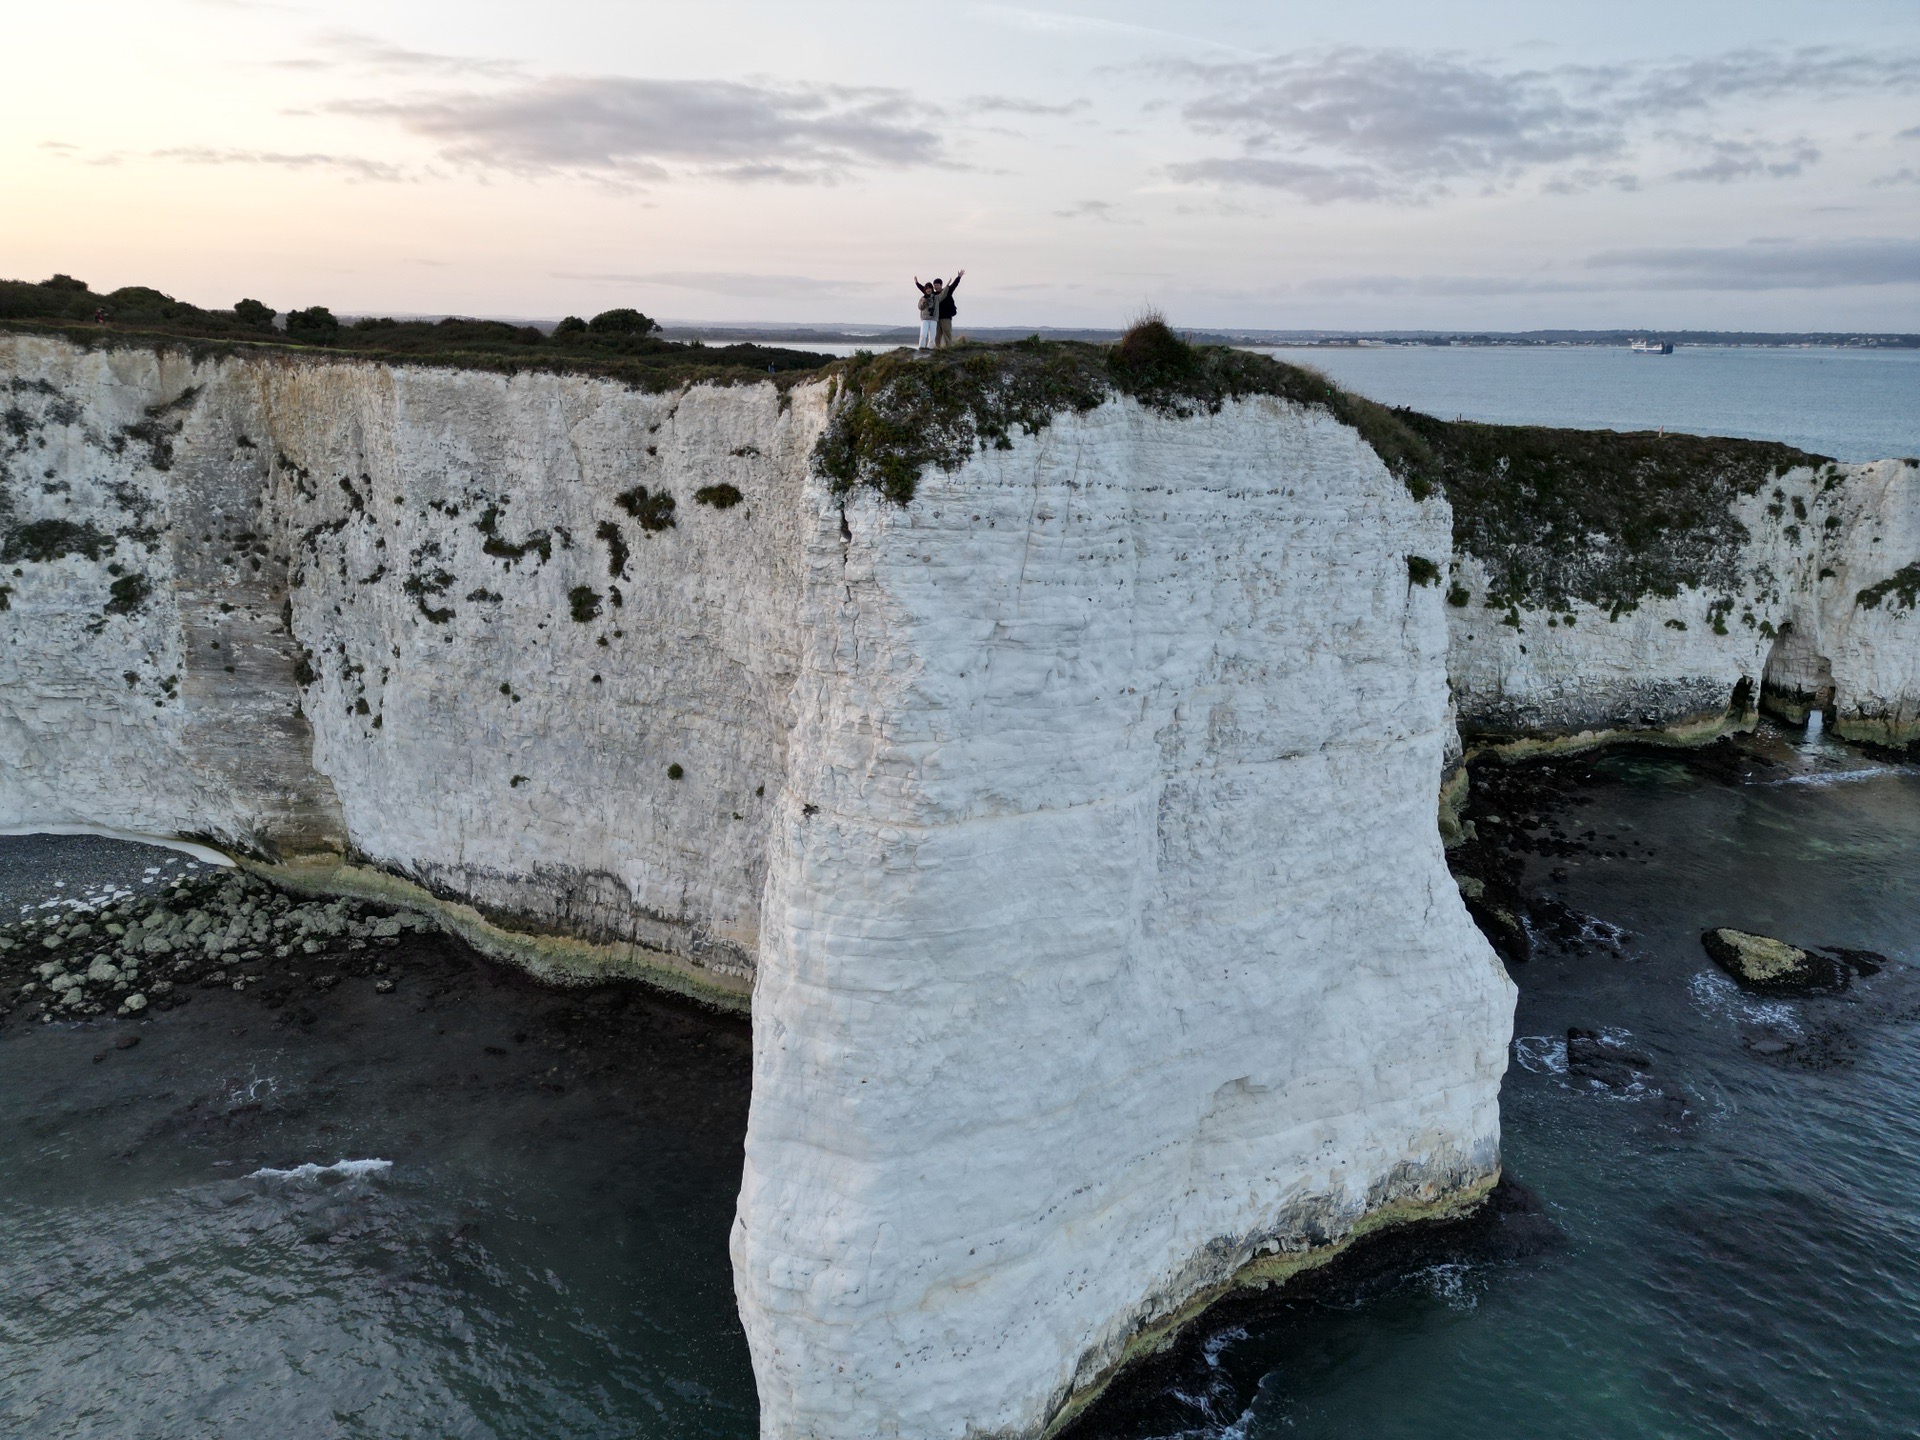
{"x":882,"y":337}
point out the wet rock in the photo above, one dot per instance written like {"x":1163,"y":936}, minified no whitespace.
{"x":1773,"y":967}
{"x":1602,"y":1060}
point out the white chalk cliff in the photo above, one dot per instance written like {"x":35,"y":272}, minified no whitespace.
{"x":1816,"y":610}
{"x":1071,"y":827}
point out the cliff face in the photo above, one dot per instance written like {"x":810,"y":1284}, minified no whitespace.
{"x":1810,"y":606}
{"x":1095,"y":741}
{"x":1073,"y":825}
{"x":458,"y":627}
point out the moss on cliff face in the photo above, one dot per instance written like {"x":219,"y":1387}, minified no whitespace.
{"x":1903,"y":585}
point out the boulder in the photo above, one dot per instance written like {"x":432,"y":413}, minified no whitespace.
{"x":1603,"y":1060}
{"x":1773,"y":967}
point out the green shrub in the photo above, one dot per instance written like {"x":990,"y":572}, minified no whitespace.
{"x":572,"y":325}
{"x":720,"y":497}
{"x":254,"y":315}
{"x":674,"y":772}
{"x":622,"y":322}
{"x":1422,"y":571}
{"x":312,"y":326}
{"x":583,"y":602}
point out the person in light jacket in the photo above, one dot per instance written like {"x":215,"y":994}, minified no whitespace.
{"x":929,"y":310}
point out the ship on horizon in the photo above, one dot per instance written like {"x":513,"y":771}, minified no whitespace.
{"x":1651,"y":347}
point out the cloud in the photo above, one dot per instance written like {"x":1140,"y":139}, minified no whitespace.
{"x":1371,"y":124}
{"x":1743,"y":159}
{"x":1905,"y":175}
{"x":1378,"y":124}
{"x":1813,"y":265}
{"x":1307,"y":180}
{"x":310,"y":160}
{"x":1014,"y":105}
{"x":350,"y":49}
{"x":1912,"y":132}
{"x":1104,"y":210}
{"x":638,"y":129}
{"x":734,"y":283}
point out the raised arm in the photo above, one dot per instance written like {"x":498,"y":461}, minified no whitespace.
{"x":954,"y":284}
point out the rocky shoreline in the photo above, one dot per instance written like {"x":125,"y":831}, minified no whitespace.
{"x":129,"y":954}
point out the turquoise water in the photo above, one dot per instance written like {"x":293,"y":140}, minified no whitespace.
{"x":1847,"y":404}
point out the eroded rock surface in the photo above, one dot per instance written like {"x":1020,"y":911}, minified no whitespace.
{"x":1074,"y":825}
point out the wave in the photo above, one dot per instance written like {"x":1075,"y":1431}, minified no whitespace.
{"x":312,"y":1174}
{"x":1837,"y":777}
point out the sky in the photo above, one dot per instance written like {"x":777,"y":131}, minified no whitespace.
{"x":1361,"y":164}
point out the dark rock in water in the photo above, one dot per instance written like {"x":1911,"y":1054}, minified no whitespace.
{"x":1773,"y":967}
{"x":1770,"y":1046}
{"x":1593,"y":1056}
{"x":1860,"y":962}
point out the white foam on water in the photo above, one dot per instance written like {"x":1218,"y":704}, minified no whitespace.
{"x":312,"y":1174}
{"x":1838,"y":777}
{"x":1541,"y":1054}
{"x":1717,"y":995}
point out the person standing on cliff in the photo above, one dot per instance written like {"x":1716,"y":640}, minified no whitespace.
{"x":929,"y":310}
{"x":943,"y":333}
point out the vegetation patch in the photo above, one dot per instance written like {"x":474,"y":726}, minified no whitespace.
{"x":424,"y":588}
{"x":616,"y":548}
{"x":44,"y":541}
{"x":539,"y":542}
{"x":1422,"y":571}
{"x":1903,"y":586}
{"x":653,"y":511}
{"x":620,"y":344}
{"x":130,"y":594}
{"x":583,"y":603}
{"x":720,"y":497}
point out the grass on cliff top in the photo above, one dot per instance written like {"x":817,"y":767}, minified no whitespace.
{"x":1555,"y":515}
{"x":619,"y":345}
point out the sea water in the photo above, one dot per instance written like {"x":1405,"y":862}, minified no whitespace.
{"x":1738,"y":1256}
{"x":470,"y":1214}
{"x":1847,"y":404}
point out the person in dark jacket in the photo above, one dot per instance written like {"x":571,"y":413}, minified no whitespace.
{"x":943,"y":333}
